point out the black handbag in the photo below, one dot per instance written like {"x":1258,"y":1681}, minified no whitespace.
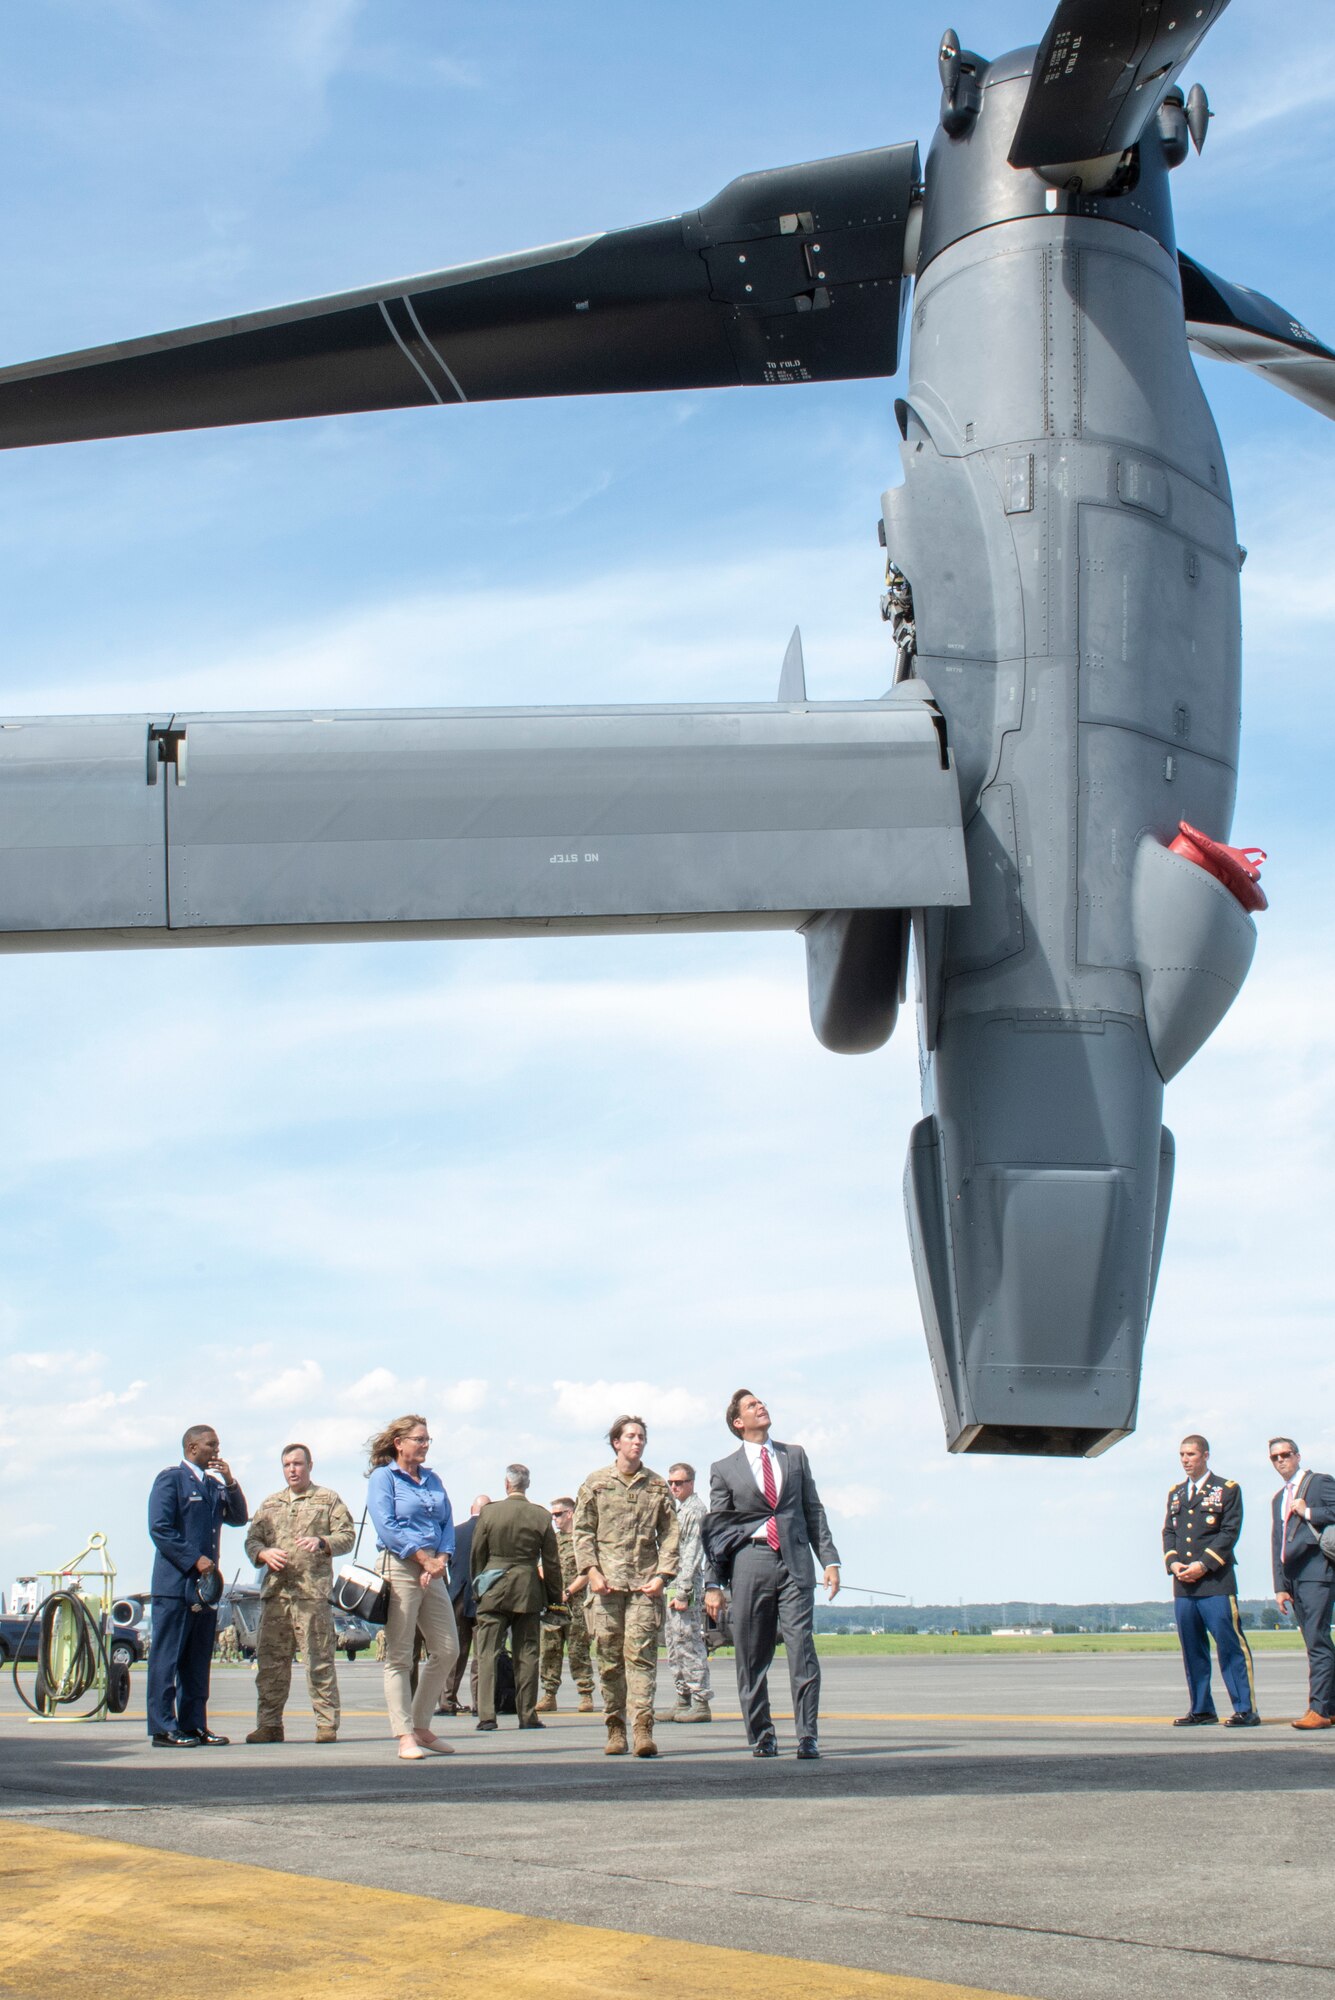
{"x":359,"y":1591}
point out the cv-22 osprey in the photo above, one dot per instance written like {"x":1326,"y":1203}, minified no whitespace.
{"x":1041,"y":801}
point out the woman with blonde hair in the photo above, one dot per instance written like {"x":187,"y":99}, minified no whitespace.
{"x":414,"y":1528}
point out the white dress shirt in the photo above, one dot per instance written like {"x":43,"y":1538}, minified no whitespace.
{"x":753,"y":1452}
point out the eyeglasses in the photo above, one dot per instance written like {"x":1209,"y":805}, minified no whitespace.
{"x":413,"y":1438}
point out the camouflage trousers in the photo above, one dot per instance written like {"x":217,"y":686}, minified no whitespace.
{"x":624,"y":1627}
{"x":556,"y":1639}
{"x":286,"y":1624}
{"x":687,"y":1653}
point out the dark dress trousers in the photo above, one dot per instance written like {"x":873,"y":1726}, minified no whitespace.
{"x":773,"y":1591}
{"x":1204,"y":1527}
{"x":185,"y":1521}
{"x":465,"y":1607}
{"x":513,"y":1535}
{"x":1303,"y":1572}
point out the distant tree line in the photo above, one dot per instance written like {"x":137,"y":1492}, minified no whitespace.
{"x":1150,"y":1615}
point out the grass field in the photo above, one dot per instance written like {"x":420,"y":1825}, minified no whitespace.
{"x":832,"y":1645}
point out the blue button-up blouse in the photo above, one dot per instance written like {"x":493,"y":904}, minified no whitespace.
{"x":409,"y":1513}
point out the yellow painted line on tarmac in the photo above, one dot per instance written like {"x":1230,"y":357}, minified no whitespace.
{"x":572,"y":1718}
{"x":96,"y":1916}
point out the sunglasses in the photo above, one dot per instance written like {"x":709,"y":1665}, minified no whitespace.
{"x":1276,"y":1456}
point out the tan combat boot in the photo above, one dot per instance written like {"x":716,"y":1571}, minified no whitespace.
{"x":266,"y":1732}
{"x":586,"y":1704}
{"x":699,"y":1711}
{"x":326,"y":1735}
{"x":644,"y":1734}
{"x":547,"y":1703}
{"x":616,"y":1736}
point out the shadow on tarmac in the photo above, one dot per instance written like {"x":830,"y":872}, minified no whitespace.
{"x":64,"y":1772}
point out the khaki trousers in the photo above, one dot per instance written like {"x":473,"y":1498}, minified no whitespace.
{"x":288,"y":1624}
{"x":411,"y":1607}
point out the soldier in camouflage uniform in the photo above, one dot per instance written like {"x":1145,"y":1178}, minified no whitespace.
{"x":293,"y":1536}
{"x":575,"y":1633}
{"x":625,"y":1552}
{"x":687,"y":1653}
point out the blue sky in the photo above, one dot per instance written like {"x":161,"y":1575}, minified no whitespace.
{"x":521,"y":1186}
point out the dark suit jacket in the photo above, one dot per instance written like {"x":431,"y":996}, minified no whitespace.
{"x":1304,"y":1539}
{"x":185,"y":1521}
{"x":736,"y":1500}
{"x":515,"y":1535}
{"x":461,"y":1577}
{"x":1204,"y":1530}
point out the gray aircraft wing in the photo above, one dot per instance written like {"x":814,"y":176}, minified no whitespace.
{"x":128,"y":830}
{"x":783,"y":277}
{"x":1230,"y":323}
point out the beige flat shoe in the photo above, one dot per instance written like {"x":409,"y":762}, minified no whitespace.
{"x":436,"y":1745}
{"x":415,"y":1755}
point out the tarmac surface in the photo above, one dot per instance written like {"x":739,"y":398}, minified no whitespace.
{"x":1025,"y":1825}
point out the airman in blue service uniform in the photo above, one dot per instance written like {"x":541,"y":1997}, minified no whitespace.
{"x":1200,"y":1532}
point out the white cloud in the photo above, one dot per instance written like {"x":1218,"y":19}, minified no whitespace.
{"x":464,"y":1399}
{"x":855,"y":1503}
{"x":289,"y":1387}
{"x":57,"y":1365}
{"x":377,"y":1385}
{"x":592,"y":1406}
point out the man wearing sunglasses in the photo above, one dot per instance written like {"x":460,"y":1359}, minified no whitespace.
{"x":1304,"y":1574}
{"x":688,"y":1656}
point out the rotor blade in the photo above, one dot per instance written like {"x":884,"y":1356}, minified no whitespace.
{"x":1100,"y":72}
{"x":795,"y":275}
{"x":1230,"y":323}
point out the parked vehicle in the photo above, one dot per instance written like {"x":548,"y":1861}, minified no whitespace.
{"x":240,"y":1608}
{"x":16,"y":1640}
{"x":127,"y":1630}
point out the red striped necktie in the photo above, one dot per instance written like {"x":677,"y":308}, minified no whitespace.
{"x":771,"y":1492}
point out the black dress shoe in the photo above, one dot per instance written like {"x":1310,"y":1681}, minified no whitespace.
{"x":1246,"y":1718}
{"x":766,"y":1746}
{"x":486,"y":1725}
{"x":1193,"y":1721}
{"x":209,"y":1741}
{"x":172,"y":1739}
{"x":535,"y":1724}
{"x":807,"y":1746}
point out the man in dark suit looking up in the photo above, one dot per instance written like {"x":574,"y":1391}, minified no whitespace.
{"x":1304,"y":1576}
{"x":187,"y":1508}
{"x":765,"y":1516}
{"x":511,"y":1538}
